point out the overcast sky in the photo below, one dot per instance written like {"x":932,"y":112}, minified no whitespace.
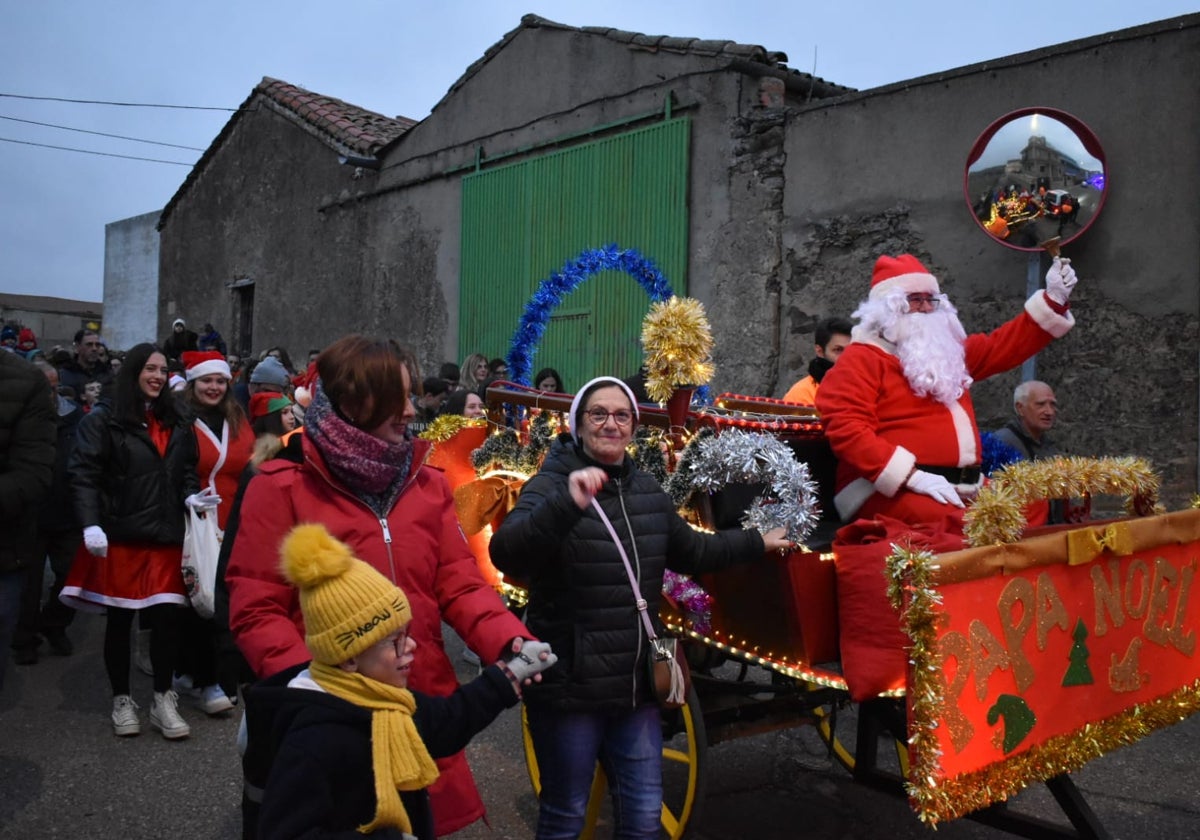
{"x":394,"y":57}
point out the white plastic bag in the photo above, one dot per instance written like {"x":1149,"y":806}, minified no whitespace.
{"x":201,"y":548}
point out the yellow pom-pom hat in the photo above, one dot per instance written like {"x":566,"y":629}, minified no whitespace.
{"x":347,"y":605}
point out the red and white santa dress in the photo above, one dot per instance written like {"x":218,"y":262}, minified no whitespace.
{"x":222,"y":457}
{"x":880,"y":429}
{"x":123,"y":480}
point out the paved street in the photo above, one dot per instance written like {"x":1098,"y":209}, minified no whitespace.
{"x":63,"y":774}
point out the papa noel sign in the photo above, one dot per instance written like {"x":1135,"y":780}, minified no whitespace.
{"x":1032,"y":658}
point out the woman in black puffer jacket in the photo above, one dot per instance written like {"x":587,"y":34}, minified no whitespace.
{"x":132,"y":472}
{"x":596,"y":703}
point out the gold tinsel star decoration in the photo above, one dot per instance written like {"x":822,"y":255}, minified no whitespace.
{"x":677,"y":341}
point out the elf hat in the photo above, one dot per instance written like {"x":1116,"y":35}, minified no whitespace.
{"x":903,"y":273}
{"x":266,"y":402}
{"x":347,"y":605}
{"x":203,"y":363}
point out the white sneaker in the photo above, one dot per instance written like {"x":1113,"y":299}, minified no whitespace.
{"x":164,"y":716}
{"x":124,"y":716}
{"x":214,"y":701}
{"x":141,"y":652}
{"x":184,"y":687}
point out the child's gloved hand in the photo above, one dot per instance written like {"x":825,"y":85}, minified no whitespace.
{"x":530,"y":660}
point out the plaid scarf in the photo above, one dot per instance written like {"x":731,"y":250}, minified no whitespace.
{"x":372,"y":469}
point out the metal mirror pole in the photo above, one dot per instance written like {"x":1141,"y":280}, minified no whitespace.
{"x":1033,"y":282}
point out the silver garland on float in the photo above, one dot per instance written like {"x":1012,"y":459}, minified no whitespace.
{"x":737,"y":457}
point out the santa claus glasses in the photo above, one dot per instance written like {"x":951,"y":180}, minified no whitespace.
{"x":918,"y":302}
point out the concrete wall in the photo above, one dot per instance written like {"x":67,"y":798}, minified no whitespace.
{"x":881,"y":172}
{"x":53,"y":320}
{"x":130,"y":281}
{"x":255,"y":213}
{"x":562,"y":93}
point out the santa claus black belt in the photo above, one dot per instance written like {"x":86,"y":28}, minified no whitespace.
{"x":955,"y":475}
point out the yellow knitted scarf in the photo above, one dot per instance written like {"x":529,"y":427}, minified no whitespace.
{"x":398,"y":755}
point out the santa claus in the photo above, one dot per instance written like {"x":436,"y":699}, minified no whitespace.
{"x":897,"y":406}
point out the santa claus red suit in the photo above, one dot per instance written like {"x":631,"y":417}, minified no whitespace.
{"x":897,"y":406}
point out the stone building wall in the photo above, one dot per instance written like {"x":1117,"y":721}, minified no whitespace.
{"x":881,"y":172}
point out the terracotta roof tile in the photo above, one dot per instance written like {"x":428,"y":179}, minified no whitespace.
{"x":357,"y":129}
{"x":345,"y":128}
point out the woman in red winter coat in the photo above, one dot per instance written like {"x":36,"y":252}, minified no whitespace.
{"x":363,"y":477}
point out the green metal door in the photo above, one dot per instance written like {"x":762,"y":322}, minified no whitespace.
{"x":524,"y":221}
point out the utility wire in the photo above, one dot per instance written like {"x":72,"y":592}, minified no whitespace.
{"x":90,"y":152}
{"x":121,"y":104}
{"x":102,"y":134}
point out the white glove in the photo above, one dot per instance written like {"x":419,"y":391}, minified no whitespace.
{"x":95,"y":540}
{"x":1060,"y":280}
{"x":533,"y":658}
{"x":206,"y":499}
{"x":935,"y":487}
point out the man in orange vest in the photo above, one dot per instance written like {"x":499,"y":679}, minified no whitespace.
{"x":833,"y":334}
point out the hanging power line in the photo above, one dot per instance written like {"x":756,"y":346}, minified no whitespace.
{"x":90,"y":152}
{"x":120,"y":104}
{"x":102,"y":134}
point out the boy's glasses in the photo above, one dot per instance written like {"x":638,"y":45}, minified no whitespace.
{"x":397,"y":640}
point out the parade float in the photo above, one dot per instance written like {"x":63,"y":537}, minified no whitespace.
{"x":1007,"y":662}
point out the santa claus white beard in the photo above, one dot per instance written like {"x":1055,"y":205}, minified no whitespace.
{"x":929,"y":345}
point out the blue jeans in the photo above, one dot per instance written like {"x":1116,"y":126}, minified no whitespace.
{"x":628,"y":746}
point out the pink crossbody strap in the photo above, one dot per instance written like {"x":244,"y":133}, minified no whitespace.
{"x":637,"y":593}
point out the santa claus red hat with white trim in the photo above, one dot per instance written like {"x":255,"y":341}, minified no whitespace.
{"x":903,"y":273}
{"x":204,"y":363}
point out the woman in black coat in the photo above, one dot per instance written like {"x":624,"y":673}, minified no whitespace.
{"x":596,"y":703}
{"x":132,"y":472}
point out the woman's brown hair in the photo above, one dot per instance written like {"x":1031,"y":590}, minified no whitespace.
{"x":364,"y":379}
{"x":229,"y":407}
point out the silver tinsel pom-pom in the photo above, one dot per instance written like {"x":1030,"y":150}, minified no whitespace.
{"x":737,"y":457}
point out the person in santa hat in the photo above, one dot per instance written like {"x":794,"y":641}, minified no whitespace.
{"x":897,"y":406}
{"x":224,"y":441}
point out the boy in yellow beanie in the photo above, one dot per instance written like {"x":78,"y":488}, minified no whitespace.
{"x":355,"y":747}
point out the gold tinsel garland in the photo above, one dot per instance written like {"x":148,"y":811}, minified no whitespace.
{"x":997,"y":515}
{"x":448,"y":425}
{"x":910,"y":571}
{"x":935,"y":798}
{"x":677,"y":341}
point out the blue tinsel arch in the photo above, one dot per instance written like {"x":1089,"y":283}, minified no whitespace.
{"x":557,"y":286}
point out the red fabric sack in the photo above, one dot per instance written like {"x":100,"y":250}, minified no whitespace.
{"x":874,"y":646}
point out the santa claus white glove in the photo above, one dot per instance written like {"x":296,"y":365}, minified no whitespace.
{"x":531,"y":659}
{"x":95,"y":540}
{"x":1060,"y":280}
{"x":935,"y":487}
{"x":206,"y":499}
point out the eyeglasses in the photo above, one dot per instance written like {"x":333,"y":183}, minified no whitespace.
{"x":598,"y":417}
{"x":924,"y":300}
{"x":396,"y":640}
